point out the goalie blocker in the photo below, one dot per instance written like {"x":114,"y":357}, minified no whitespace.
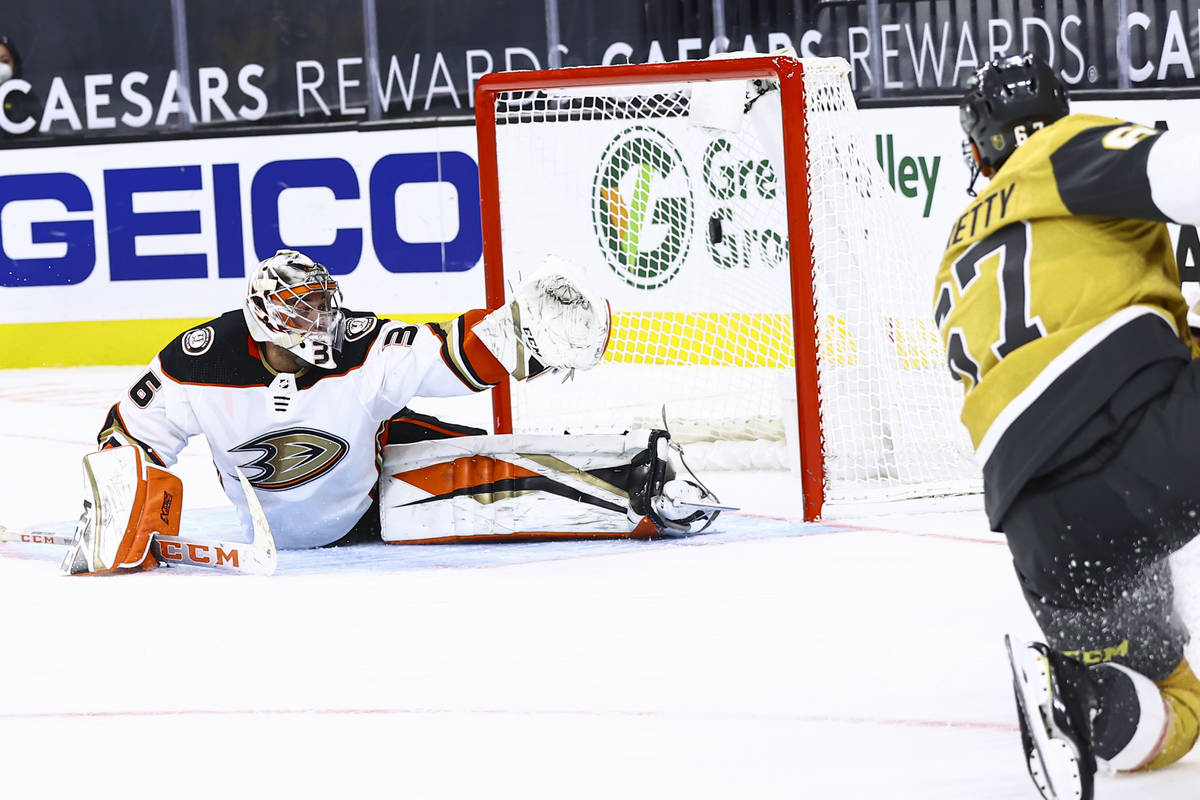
{"x":528,"y":486}
{"x":126,"y":503}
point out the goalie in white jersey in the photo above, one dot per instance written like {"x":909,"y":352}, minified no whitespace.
{"x":302,"y":395}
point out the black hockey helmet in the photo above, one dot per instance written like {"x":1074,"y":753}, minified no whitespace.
{"x":1006,"y":100}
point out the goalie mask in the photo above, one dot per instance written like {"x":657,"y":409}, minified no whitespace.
{"x":294,"y":303}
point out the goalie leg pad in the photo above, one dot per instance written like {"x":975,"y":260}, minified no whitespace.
{"x":488,"y":487}
{"x":127,"y":502}
{"x":526,"y":486}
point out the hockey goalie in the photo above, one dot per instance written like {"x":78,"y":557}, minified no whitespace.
{"x":307,"y":401}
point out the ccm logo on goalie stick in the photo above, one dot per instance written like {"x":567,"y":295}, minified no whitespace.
{"x":196,"y":553}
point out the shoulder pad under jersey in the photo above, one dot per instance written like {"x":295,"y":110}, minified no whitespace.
{"x":217,"y":353}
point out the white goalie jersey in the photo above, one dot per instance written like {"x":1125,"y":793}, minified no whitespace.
{"x":308,"y":442}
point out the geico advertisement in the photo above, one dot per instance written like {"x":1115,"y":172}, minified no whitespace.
{"x":167,"y":229}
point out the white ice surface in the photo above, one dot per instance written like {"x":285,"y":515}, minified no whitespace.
{"x":858,"y":658}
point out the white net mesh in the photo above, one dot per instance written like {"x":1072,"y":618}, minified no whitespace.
{"x":673,"y":199}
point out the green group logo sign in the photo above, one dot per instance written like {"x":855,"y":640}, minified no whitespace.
{"x":642,"y":207}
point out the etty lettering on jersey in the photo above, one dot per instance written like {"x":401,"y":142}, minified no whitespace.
{"x":987,"y":213}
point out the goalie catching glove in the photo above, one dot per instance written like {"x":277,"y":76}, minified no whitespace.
{"x":127,"y":502}
{"x":555,"y":322}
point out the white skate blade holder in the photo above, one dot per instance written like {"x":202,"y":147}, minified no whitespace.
{"x":1054,"y":764}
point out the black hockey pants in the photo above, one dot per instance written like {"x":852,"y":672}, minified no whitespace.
{"x":405,"y":427}
{"x":1090,"y":537}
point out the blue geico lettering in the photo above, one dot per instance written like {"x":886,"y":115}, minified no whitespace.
{"x":334,"y":173}
{"x":124,"y":226}
{"x":397,"y":255}
{"x":268,"y":183}
{"x":77,"y":263}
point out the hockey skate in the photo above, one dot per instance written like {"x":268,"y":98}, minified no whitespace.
{"x":678,"y":507}
{"x":1056,"y":702}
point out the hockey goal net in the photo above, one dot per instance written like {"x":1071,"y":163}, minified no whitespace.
{"x":760,"y":270}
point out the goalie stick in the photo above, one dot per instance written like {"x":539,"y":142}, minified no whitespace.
{"x":256,"y":557}
{"x":231,"y":556}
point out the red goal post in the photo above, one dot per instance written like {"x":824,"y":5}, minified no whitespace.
{"x":531,"y":130}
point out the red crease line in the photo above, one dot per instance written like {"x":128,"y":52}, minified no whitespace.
{"x":203,"y":712}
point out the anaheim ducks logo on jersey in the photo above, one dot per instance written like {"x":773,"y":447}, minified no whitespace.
{"x":358,"y":327}
{"x":197,"y":341}
{"x":291,"y":457}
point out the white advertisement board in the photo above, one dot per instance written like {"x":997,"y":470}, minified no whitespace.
{"x":920,"y":151}
{"x":166,"y":229}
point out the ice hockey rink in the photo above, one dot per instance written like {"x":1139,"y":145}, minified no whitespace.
{"x":860,"y":657}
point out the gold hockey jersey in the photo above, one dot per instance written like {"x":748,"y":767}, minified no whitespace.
{"x":1057,"y":287}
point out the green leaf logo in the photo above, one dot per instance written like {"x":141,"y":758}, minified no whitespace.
{"x":642,"y":207}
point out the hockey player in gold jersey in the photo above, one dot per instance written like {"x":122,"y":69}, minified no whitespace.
{"x":1059,"y":307}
